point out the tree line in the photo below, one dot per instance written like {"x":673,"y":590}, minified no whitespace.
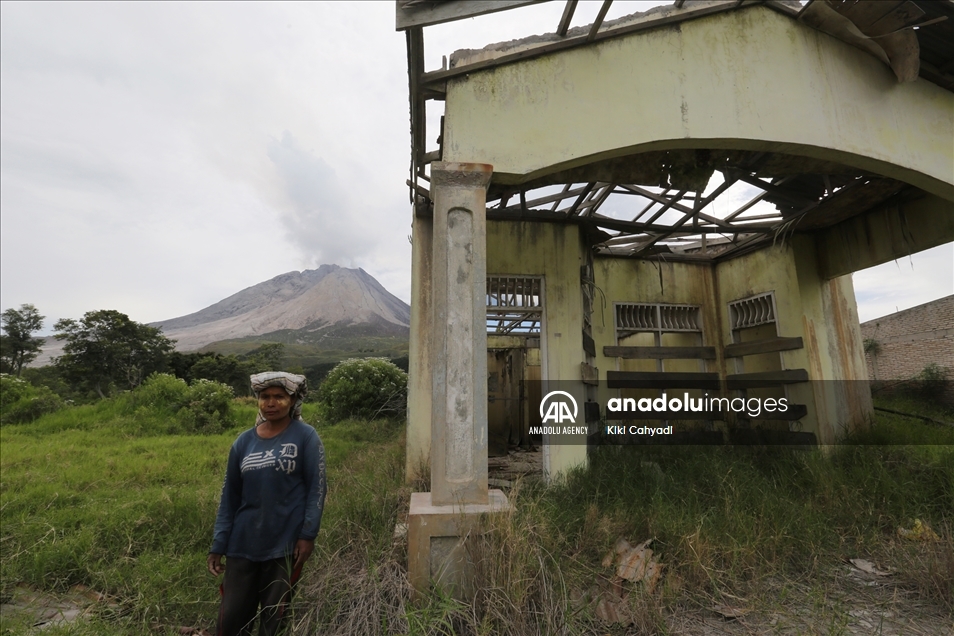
{"x":105,"y":352}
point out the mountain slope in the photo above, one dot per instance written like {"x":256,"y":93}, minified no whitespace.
{"x":316,"y":300}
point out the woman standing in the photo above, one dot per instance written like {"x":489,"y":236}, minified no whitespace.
{"x":270,"y":510}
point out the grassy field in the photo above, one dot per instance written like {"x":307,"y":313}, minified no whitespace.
{"x":105,"y":498}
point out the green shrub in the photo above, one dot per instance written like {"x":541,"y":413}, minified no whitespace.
{"x":12,"y":389}
{"x":872,"y":346}
{"x":203,"y":406}
{"x":930,"y":382}
{"x":162,"y":391}
{"x":20,"y":401}
{"x":364,"y":388}
{"x":207,"y":406}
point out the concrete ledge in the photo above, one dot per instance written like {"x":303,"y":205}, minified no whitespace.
{"x":437,"y":537}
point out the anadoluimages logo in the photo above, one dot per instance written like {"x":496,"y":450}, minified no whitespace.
{"x":555,"y":407}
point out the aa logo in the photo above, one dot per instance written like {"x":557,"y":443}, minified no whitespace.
{"x":558,"y":407}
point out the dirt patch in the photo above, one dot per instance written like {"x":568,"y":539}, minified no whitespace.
{"x":43,"y":610}
{"x":516,"y":464}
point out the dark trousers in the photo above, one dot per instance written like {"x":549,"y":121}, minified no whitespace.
{"x":255,"y":588}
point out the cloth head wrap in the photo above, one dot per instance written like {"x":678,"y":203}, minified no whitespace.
{"x":295,"y":385}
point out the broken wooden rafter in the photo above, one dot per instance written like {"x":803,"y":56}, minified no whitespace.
{"x":599,"y":20}
{"x":774,"y":190}
{"x":754,"y":200}
{"x":563,"y":195}
{"x":596,"y":201}
{"x":415,"y":69}
{"x":568,"y":11}
{"x":558,"y":197}
{"x":630,"y":227}
{"x":671,"y":202}
{"x":651,"y":204}
{"x":579,"y":201}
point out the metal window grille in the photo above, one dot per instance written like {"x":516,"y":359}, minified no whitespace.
{"x":752,"y":311}
{"x":514,"y":305}
{"x":657,"y":318}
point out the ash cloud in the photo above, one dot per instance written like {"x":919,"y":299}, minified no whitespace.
{"x":318,"y":218}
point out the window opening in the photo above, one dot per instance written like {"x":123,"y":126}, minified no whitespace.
{"x":633,"y":318}
{"x":514,"y":305}
{"x":752,"y":311}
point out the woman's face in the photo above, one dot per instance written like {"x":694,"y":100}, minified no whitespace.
{"x":274,"y":403}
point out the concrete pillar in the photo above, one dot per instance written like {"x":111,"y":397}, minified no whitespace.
{"x":441,"y":522}
{"x":419,"y":351}
{"x":459,"y":338}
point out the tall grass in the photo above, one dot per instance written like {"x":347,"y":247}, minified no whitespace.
{"x":103,"y":496}
{"x":107,"y":496}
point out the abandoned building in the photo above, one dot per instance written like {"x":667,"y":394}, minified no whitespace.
{"x":672,"y":199}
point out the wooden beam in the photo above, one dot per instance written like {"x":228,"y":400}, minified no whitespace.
{"x":422,"y":14}
{"x":511,"y":214}
{"x":419,"y":189}
{"x":415,"y":69}
{"x":567,"y":17}
{"x":594,"y":204}
{"x":589,"y":374}
{"x":591,"y":412}
{"x":661,"y":353}
{"x":599,"y":20}
{"x":648,"y":206}
{"x":765,"y":379}
{"x":579,"y":201}
{"x":775,"y":191}
{"x":769,"y":345}
{"x":564,"y":195}
{"x":629,"y":226}
{"x":558,"y":196}
{"x":661,"y":380}
{"x":670,"y":202}
{"x":589,"y":345}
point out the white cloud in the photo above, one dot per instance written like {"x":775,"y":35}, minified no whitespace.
{"x":904,"y":283}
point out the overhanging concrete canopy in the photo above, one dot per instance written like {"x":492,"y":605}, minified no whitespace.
{"x":751,"y":80}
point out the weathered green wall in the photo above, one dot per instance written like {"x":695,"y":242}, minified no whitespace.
{"x":554,"y":252}
{"x":822,"y":312}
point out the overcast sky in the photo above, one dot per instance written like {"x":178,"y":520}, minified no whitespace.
{"x":156,"y":158}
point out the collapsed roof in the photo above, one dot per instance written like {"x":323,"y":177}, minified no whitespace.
{"x":697,"y":203}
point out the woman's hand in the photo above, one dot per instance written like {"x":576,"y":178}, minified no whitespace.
{"x":214,"y":563}
{"x":303,"y":550}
